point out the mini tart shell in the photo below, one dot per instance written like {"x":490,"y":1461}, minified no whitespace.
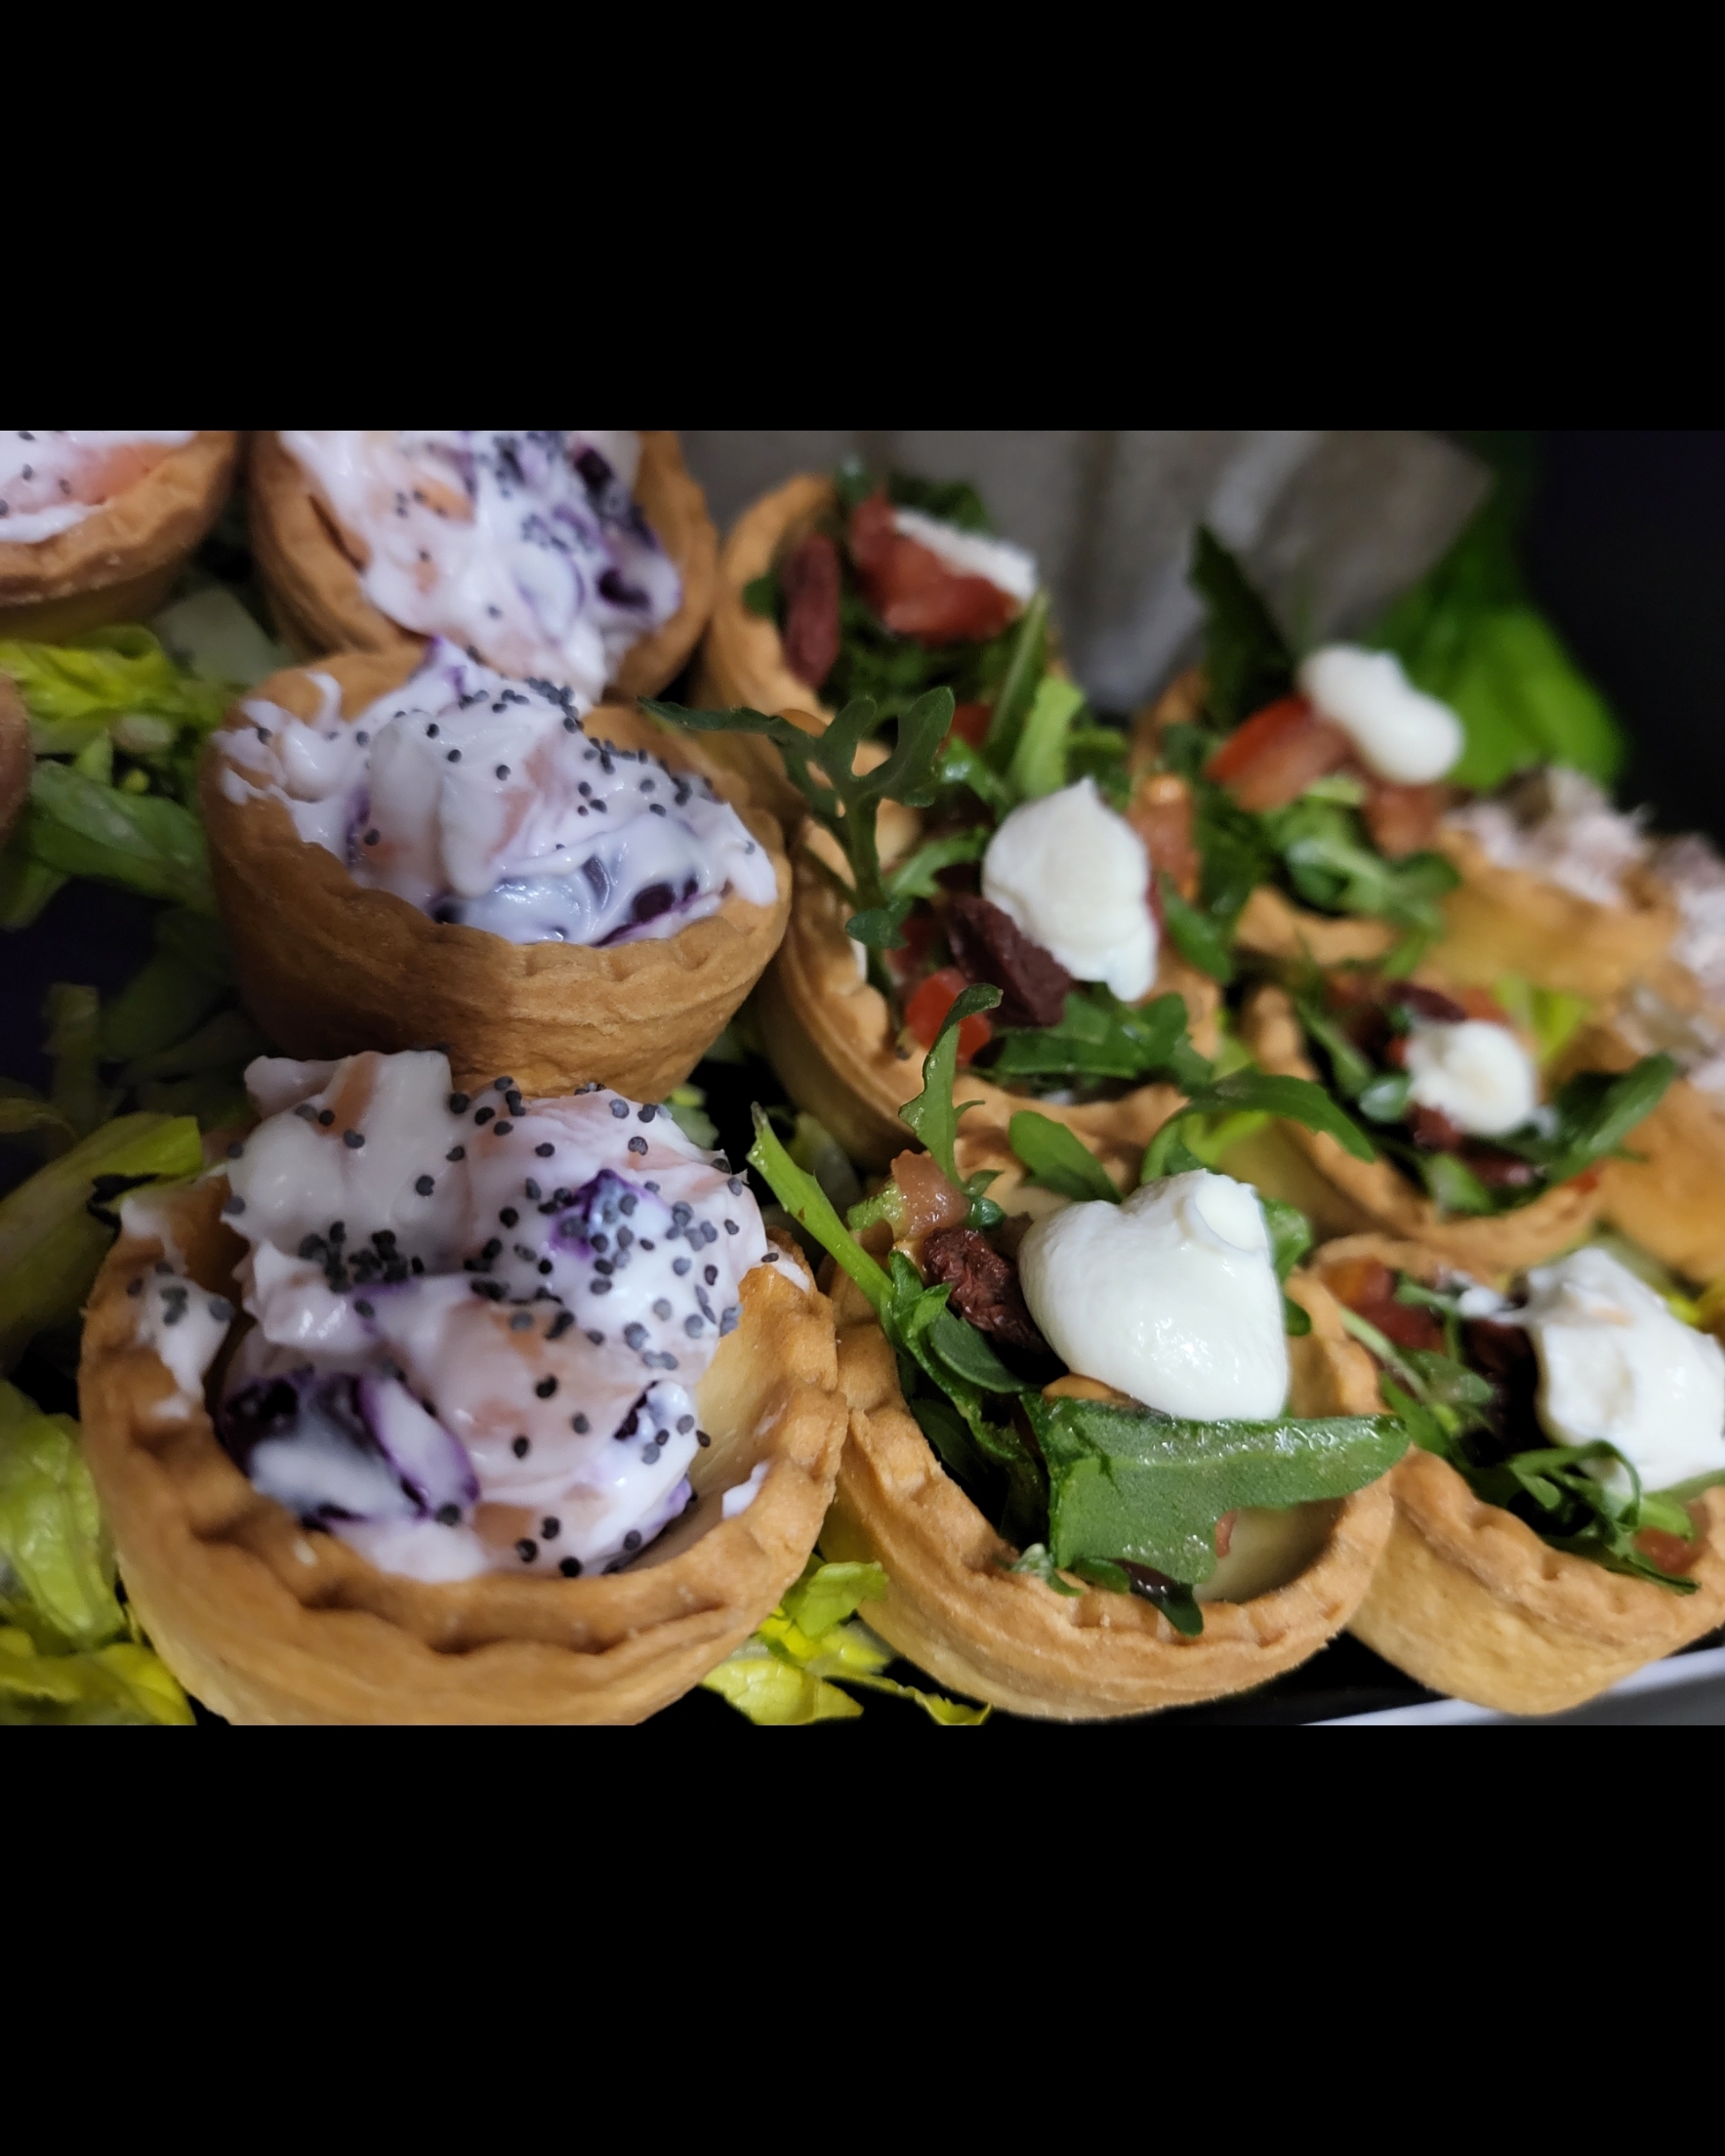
{"x":829,"y":1035}
{"x":1271,"y":928}
{"x":1670,"y":1197}
{"x":1348,"y":1196}
{"x":954,"y":1608}
{"x":267,"y":1622}
{"x":1501,"y":921}
{"x":318,"y":603}
{"x":121,"y":561}
{"x":1468,"y":1600}
{"x":328,"y":967}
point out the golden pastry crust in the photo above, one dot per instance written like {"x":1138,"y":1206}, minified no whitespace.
{"x":120,"y":562}
{"x":318,"y":603}
{"x":329,"y":968}
{"x":16,"y":759}
{"x":1355,"y":1195}
{"x":828,"y":1034}
{"x":1468,"y":1600}
{"x":1501,"y":921}
{"x":952,"y":1609}
{"x":268,"y":1623}
{"x":1671,"y":1196}
{"x":1271,"y":926}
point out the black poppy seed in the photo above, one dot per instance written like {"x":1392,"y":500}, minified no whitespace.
{"x":628,"y":1203}
{"x":448,"y":1514}
{"x":648,"y":1112}
{"x":661,"y":1308}
{"x":545,"y":1388}
{"x":174,"y":1314}
{"x":570,"y":727}
{"x":634,"y":1336}
{"x":305,"y":1112}
{"x":234,"y":1207}
{"x":502,"y":1085}
{"x":730,"y":1318}
{"x":596,"y":1340}
{"x":516,"y":1106}
{"x":543,"y":1152}
{"x":709,"y":1274}
{"x":531,"y":1191}
{"x":424,"y":1185}
{"x":652,"y":1186}
{"x":373,"y":836}
{"x":624,"y":1236}
{"x":509,"y":1216}
{"x":483,"y":1115}
{"x":352,"y":1140}
{"x":364,"y":1308}
{"x":416,"y":1265}
{"x":502,"y":770}
{"x":731,"y":1228}
{"x":520,"y":1447}
{"x":458,"y":1103}
{"x":580,"y":1425}
{"x":236,"y":1149}
{"x":679,"y":1267}
{"x":136,"y":1287}
{"x":631,"y":1539}
{"x":637,"y":1144}
{"x":456,"y":1153}
{"x":326,"y":1116}
{"x":598,"y":1287}
{"x":684,"y":1424}
{"x":432,"y":734}
{"x":221,"y":1310}
{"x":521,"y":1321}
{"x":618,"y":1108}
{"x":263,"y":733}
{"x":493,"y":1248}
{"x":735,"y":1187}
{"x":545,"y":1266}
{"x":570,"y":1568}
{"x":692,"y":1326}
{"x":163,"y":1266}
{"x":363,"y":738}
{"x":702,"y":1439}
{"x":503,"y":1130}
{"x":649,"y":1455}
{"x":526,"y":1550}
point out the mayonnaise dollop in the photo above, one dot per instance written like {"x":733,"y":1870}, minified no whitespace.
{"x":1075,"y":878}
{"x":480,"y":801}
{"x":479,"y":1322}
{"x":1617,"y":1365}
{"x":528,"y":547}
{"x":1171,"y":1298}
{"x":1400,"y":733}
{"x":53,"y":479}
{"x":1476,"y":1073}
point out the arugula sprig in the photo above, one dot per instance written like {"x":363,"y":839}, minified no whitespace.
{"x":933,"y":1115}
{"x":845,"y":800}
{"x":1449,"y":1409}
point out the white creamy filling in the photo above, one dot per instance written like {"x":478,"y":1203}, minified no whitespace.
{"x":51,"y":478}
{"x":1400,"y":733}
{"x":1617,"y":1365}
{"x":1008,"y":568}
{"x":1476,"y":1073}
{"x":1557,"y":824}
{"x":526,"y":546}
{"x":1075,"y":878}
{"x":482,"y":802}
{"x":1171,"y":1298}
{"x":479,"y":1322}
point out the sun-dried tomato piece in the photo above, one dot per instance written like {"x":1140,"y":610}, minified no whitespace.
{"x":931,"y":1203}
{"x":985,"y":1286}
{"x":914,"y":591}
{"x":1424,"y":1003}
{"x":1433,"y":1129}
{"x":988,"y":944}
{"x":1403,"y":819}
{"x":1498,"y":1171}
{"x":1161,"y":814}
{"x":1671,"y":1552}
{"x":808,"y":579}
{"x":1277,"y":754}
{"x":1368,"y":1288}
{"x":970,"y":723}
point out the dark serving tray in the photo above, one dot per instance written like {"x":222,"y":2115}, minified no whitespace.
{"x":1626,"y":548}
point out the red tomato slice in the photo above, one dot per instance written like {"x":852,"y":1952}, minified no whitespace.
{"x":925,"y":1012}
{"x":1277,"y":754}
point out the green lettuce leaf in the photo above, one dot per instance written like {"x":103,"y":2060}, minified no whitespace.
{"x":119,"y":1686}
{"x":1248,"y":1091}
{"x":1125,"y":1484}
{"x":73,"y":690}
{"x":1039,"y":761}
{"x":933,"y":1115}
{"x":52,"y":1246}
{"x":55,"y":1573}
{"x":78,"y":826}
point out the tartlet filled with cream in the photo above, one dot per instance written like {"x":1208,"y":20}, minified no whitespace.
{"x":468,"y":1345}
{"x":461,"y":857}
{"x":580,"y":556}
{"x":1553,"y":1530}
{"x":96,"y":524}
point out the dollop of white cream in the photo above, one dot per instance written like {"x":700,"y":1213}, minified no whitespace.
{"x":1075,"y":878}
{"x":1400,"y":733}
{"x":526,"y":546}
{"x":1171,"y":1298}
{"x":1476,"y":1073}
{"x":51,"y":478}
{"x":1008,"y":568}
{"x":482,"y":802}
{"x":1617,"y":1365}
